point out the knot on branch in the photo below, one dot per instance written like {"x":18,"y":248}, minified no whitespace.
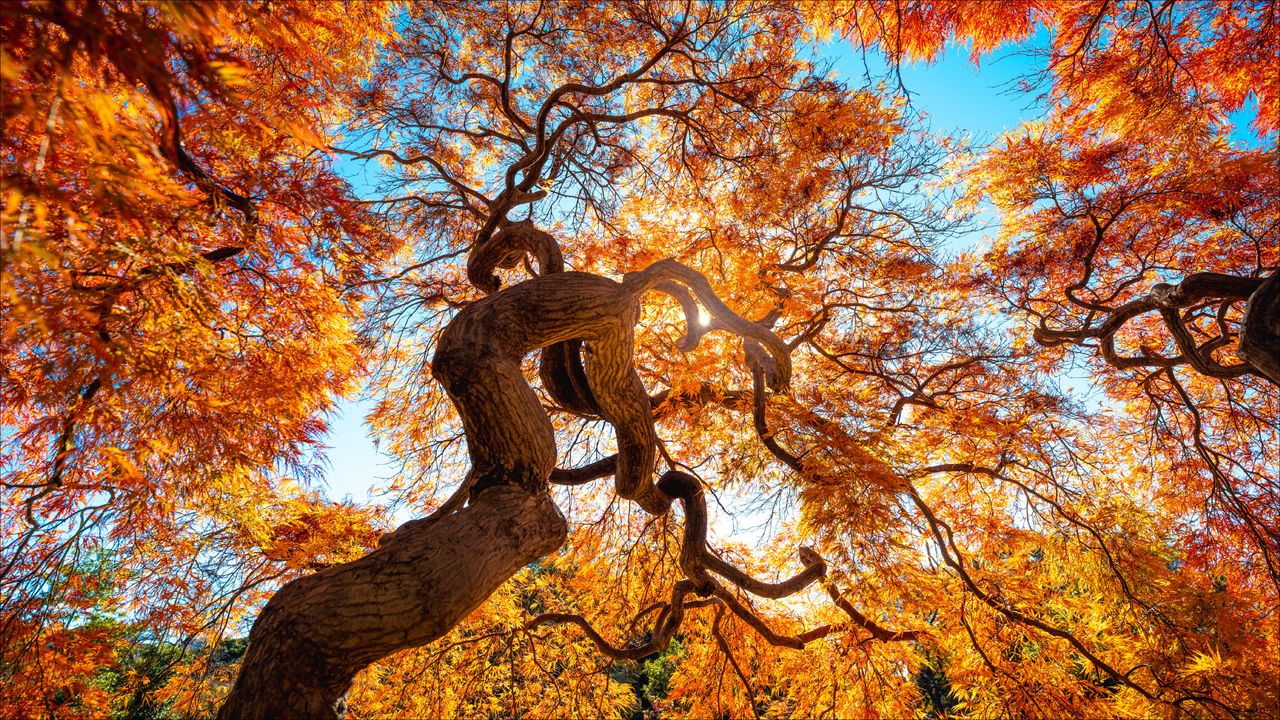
{"x":810,"y":558}
{"x":1165,"y":295}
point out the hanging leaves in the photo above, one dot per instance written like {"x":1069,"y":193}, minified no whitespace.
{"x":748,"y":257}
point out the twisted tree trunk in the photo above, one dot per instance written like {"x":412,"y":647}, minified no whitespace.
{"x":319,"y":631}
{"x":322,"y":629}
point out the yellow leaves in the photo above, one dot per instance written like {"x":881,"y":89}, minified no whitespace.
{"x":217,"y":374}
{"x":315,"y":534}
{"x":123,"y":465}
{"x":1202,"y":663}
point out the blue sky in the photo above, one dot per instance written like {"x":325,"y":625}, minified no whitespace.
{"x":956,"y":96}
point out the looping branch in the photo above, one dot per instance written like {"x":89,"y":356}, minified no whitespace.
{"x":560,"y":364}
{"x":666,"y":270}
{"x":759,"y":370}
{"x":694,"y":328}
{"x":1176,"y":304}
{"x":585,"y":325}
{"x":698,"y":562}
{"x":506,"y":248}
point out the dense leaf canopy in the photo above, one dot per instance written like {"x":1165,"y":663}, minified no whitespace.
{"x":1032,"y":472}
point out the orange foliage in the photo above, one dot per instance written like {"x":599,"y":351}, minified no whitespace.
{"x":190,"y":285}
{"x":176,"y":313}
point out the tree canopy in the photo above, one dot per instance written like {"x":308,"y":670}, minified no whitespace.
{"x":619,"y":278}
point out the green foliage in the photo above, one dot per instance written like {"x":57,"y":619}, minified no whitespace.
{"x":649,"y":679}
{"x":144,"y":667}
{"x":937,"y":698}
{"x":657,"y":671}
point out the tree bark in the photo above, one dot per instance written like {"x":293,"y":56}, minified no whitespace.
{"x":1260,"y":331}
{"x":319,"y":631}
{"x":322,"y":629}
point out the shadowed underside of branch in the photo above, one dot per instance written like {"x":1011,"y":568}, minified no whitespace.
{"x":1260,"y":331}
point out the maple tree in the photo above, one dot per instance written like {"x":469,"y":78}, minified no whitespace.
{"x":733,"y":268}
{"x":177,"y":252}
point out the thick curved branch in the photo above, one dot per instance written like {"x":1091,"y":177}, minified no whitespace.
{"x":696,"y":560}
{"x":815,"y":568}
{"x":478,"y":361}
{"x":621,"y":396}
{"x":624,"y":403}
{"x":585,"y":474}
{"x":694,"y":330}
{"x":1203,"y":286}
{"x":564,"y":376}
{"x":560,"y":365}
{"x":318,"y":631}
{"x":1260,"y":331}
{"x":664,"y":270}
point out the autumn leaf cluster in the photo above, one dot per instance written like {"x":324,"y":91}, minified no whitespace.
{"x":220,"y":220}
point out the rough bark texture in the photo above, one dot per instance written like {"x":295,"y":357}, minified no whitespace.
{"x":1260,"y":334}
{"x":320,"y":630}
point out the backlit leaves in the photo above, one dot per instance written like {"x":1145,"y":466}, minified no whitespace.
{"x":190,"y":285}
